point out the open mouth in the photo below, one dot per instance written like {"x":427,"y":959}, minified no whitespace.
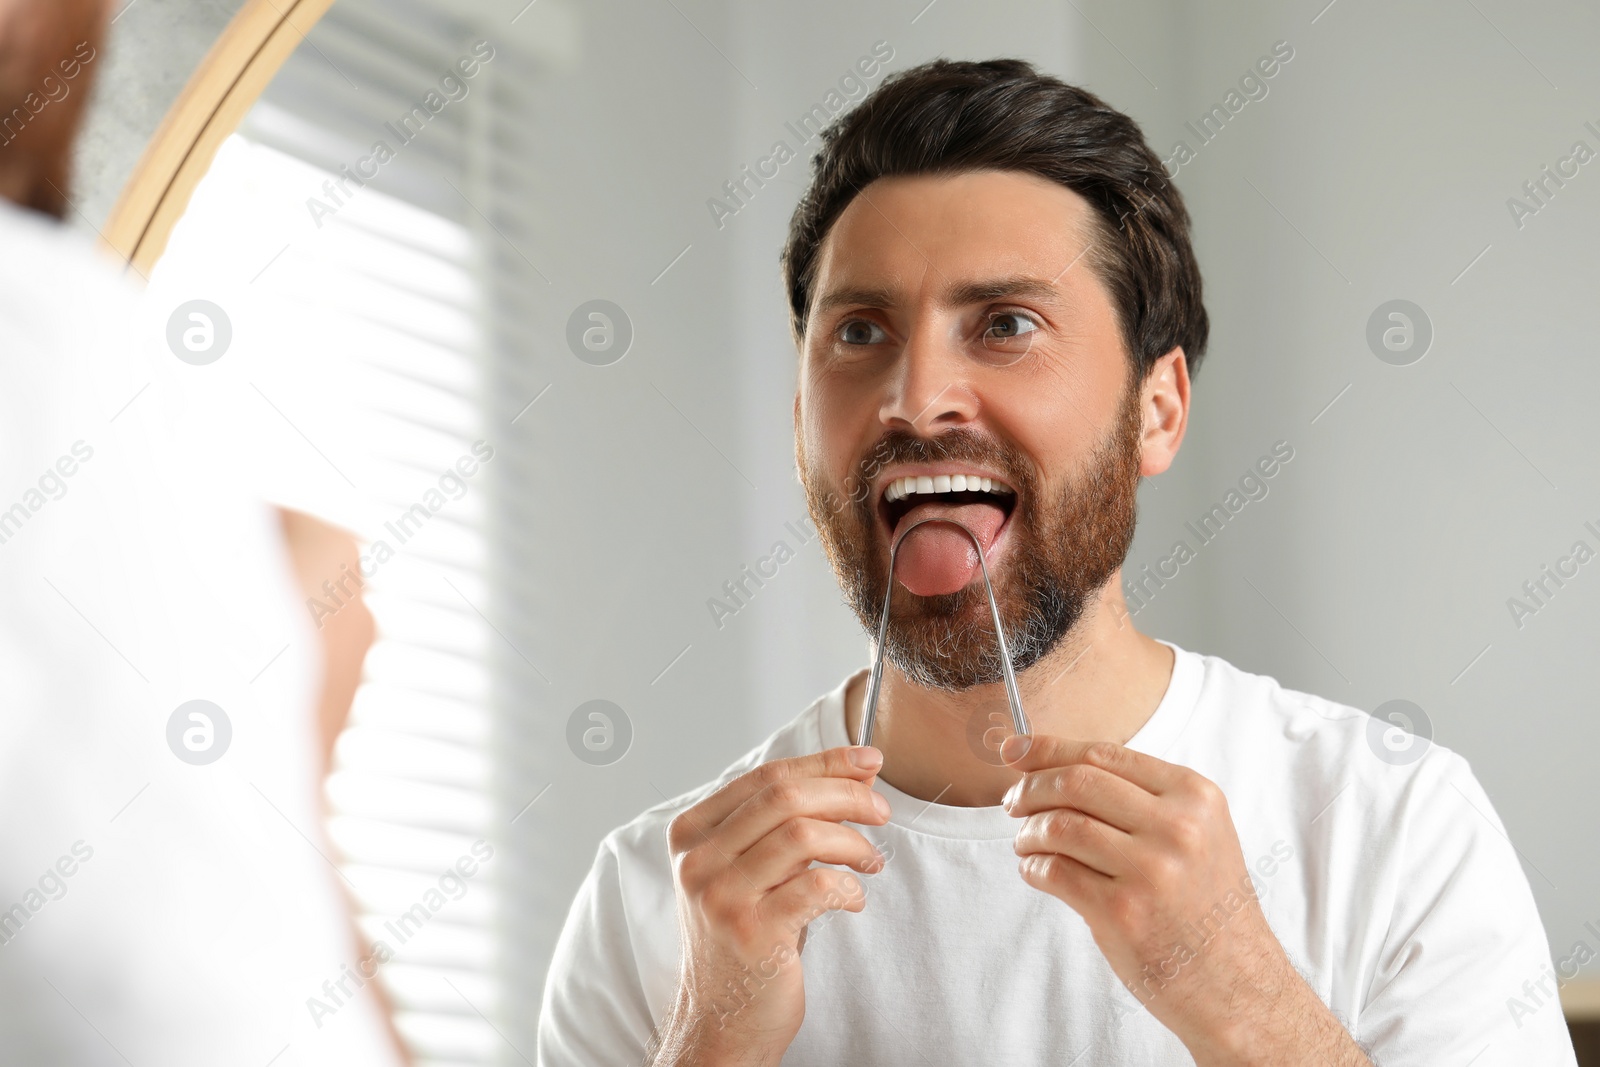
{"x":936,"y":558}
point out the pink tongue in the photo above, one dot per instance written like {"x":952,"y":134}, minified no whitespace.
{"x":936,"y":558}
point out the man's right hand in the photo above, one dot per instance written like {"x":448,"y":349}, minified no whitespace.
{"x":742,"y":874}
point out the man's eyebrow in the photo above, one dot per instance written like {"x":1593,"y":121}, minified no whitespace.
{"x":861,"y":295}
{"x":1000,"y":289}
{"x":978,"y":292}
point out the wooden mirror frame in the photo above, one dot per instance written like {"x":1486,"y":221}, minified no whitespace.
{"x":225,"y":85}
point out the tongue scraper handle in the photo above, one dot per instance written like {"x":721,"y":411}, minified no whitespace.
{"x":1018,"y":719}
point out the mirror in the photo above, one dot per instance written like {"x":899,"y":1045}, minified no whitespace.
{"x":494,"y":287}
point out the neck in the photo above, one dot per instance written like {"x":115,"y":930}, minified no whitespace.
{"x":1102,"y":682}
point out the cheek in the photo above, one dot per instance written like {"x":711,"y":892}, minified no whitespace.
{"x":831,"y":415}
{"x":1070,"y":405}
{"x":1048,"y":421}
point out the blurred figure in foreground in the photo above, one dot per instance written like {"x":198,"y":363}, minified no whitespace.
{"x":166,"y":707}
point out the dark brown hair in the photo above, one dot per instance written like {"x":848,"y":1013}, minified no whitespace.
{"x":947,"y":117}
{"x":47,"y":47}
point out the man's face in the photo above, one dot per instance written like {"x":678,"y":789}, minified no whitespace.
{"x":957,"y":329}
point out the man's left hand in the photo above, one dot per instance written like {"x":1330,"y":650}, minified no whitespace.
{"x":1146,"y":852}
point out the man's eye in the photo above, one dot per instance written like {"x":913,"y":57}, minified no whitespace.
{"x":1008,"y":324}
{"x":861,"y":332}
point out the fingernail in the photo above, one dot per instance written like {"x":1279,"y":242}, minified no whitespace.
{"x":1011,"y":796}
{"x":1015,"y":747}
{"x":881,"y":803}
{"x":866,"y":757}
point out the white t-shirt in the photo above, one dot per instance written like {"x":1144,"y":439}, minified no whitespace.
{"x":152,"y":910}
{"x":1392,"y":887}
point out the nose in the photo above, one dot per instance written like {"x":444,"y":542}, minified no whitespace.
{"x":929,"y":389}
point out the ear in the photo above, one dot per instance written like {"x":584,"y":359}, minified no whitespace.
{"x":1164,"y":402}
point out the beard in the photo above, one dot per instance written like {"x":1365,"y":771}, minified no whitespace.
{"x":1063,"y":549}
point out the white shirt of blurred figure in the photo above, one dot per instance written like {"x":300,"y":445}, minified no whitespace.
{"x":152,"y":910}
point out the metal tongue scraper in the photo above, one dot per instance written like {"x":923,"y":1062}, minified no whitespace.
{"x":1018,"y":719}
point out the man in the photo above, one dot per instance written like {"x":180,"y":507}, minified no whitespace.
{"x":165,"y":892}
{"x":998,"y":313}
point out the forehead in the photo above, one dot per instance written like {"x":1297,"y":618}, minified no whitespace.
{"x":905,"y":232}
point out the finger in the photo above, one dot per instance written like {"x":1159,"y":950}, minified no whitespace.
{"x":690,"y":826}
{"x":793,"y":846}
{"x":811,"y":894}
{"x":1065,"y":832}
{"x":1032,"y":752}
{"x":1084,"y":890}
{"x":833,"y":799}
{"x":1088,"y":788}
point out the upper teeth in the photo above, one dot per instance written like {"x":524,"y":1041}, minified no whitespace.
{"x":942,"y":483}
